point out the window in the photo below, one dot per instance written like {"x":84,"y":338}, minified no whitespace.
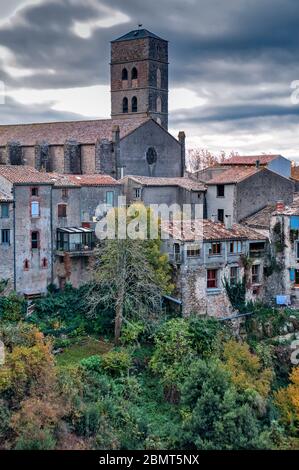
{"x":110,"y":198}
{"x":34,"y":240}
{"x":220,"y":190}
{"x":235,"y":247}
{"x":158,"y":78}
{"x":234,"y":275}
{"x":64,"y":193}
{"x":125,"y":105}
{"x":137,"y":193}
{"x":212,"y":281}
{"x":44,"y":263}
{"x":255,"y":270}
{"x":26,"y":265}
{"x":4,"y":211}
{"x":193,"y":251}
{"x":5,"y":237}
{"x":297,"y":277}
{"x":124,"y":74}
{"x":297,"y":250}
{"x":151,"y":155}
{"x":215,"y":248}
{"x":34,"y":209}
{"x":134,"y":104}
{"x":134,"y":74}
{"x":221,"y":215}
{"x":62,"y":210}
{"x":159,"y":105}
{"x":34,"y":192}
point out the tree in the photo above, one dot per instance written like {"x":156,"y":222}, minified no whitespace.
{"x":199,"y":159}
{"x":124,"y":278}
{"x":216,"y":415}
{"x":172,"y":355}
{"x":246,"y":368}
{"x":287,"y":400}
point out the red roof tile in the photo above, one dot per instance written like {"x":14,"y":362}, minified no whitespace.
{"x":249,"y":160}
{"x":233,"y":175}
{"x":24,"y":174}
{"x":93,"y":180}
{"x":56,"y":133}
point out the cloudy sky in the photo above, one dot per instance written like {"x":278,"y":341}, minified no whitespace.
{"x":232,"y":64}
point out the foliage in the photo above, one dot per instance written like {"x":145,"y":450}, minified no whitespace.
{"x":287,"y":400}
{"x":206,"y":335}
{"x":216,"y":415}
{"x":117,"y":362}
{"x":236,"y":293}
{"x":12,"y":307}
{"x":246,"y":369}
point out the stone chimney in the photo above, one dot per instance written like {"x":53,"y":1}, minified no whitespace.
{"x":228,"y":222}
{"x":280,"y":206}
{"x":182,"y":140}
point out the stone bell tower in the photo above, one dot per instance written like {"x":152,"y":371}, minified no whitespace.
{"x":139,"y":76}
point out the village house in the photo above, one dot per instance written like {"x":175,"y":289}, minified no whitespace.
{"x":169,"y":191}
{"x":276,"y":163}
{"x":47,"y":226}
{"x":240,"y":191}
{"x":205,"y":253}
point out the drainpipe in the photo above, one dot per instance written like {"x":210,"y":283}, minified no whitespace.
{"x":51,"y":228}
{"x":14,"y":240}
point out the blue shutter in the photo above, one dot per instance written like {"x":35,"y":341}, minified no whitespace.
{"x":292,"y":275}
{"x":294,"y":222}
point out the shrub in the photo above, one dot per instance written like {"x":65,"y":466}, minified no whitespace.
{"x":117,"y":362}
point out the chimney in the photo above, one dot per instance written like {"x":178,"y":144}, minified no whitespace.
{"x":182,"y":140}
{"x":228,"y":222}
{"x":257,"y":164}
{"x":280,"y":206}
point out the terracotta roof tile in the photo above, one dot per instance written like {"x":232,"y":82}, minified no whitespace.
{"x":56,"y":133}
{"x":260,"y":219}
{"x":249,"y":160}
{"x":233,"y":175}
{"x":93,"y":180}
{"x":208,"y":230}
{"x":186,"y":183}
{"x":23,"y":174}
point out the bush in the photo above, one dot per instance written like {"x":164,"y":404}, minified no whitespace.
{"x":12,"y":308}
{"x":131,"y":332}
{"x":117,"y":362}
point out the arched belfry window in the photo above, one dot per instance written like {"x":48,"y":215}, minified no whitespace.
{"x":125,"y":105}
{"x":159,"y":105}
{"x":124,"y":74}
{"x":134,"y":104}
{"x":134,"y":73}
{"x":158,"y":78}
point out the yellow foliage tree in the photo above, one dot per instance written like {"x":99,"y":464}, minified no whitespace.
{"x":246,"y":368}
{"x":287,"y":400}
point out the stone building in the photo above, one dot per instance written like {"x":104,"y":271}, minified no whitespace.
{"x":276,"y":163}
{"x":204,"y":254}
{"x":240,"y":191}
{"x":134,"y":142}
{"x":169,"y":191}
{"x":47,"y":226}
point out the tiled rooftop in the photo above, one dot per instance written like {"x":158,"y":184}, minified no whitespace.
{"x":233,"y":175}
{"x":249,"y":160}
{"x":137,"y":34}
{"x":208,"y":231}
{"x":261,"y":218}
{"x":93,"y":180}
{"x":23,"y":174}
{"x":186,"y":183}
{"x":56,"y":133}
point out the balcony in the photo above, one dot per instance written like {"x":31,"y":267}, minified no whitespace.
{"x":76,"y":241}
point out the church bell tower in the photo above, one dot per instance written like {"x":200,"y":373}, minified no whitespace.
{"x":139,"y":77}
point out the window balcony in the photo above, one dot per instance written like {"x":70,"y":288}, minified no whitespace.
{"x":77,"y":241}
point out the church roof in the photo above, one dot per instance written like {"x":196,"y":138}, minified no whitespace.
{"x":182,"y":182}
{"x":137,"y":34}
{"x":56,"y":133}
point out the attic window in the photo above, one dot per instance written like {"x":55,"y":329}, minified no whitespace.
{"x":34,"y":192}
{"x":220,"y":190}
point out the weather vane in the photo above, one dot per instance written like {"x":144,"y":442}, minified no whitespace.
{"x":140,"y":25}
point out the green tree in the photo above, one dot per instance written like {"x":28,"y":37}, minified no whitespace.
{"x":216,"y":415}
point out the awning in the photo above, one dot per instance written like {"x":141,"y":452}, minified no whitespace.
{"x":75,"y":230}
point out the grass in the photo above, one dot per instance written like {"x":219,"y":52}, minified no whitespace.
{"x":80,"y":349}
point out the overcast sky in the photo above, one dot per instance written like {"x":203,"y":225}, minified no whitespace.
{"x":232,"y":63}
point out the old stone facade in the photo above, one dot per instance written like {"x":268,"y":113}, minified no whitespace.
{"x":47,"y":226}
